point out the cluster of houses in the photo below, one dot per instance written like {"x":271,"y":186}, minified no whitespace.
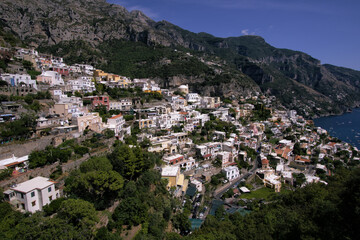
{"x":279,"y":162}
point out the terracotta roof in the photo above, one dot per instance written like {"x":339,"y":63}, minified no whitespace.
{"x":12,"y":164}
{"x":117,"y":116}
{"x":299,"y":158}
{"x":279,"y":151}
{"x":207,"y":155}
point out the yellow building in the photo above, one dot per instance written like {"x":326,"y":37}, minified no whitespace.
{"x":113,"y":78}
{"x":145,"y":123}
{"x":172,"y":174}
{"x":100,"y":74}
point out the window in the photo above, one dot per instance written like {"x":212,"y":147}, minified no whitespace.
{"x":50,"y":198}
{"x":49,"y":189}
{"x":33,"y":203}
{"x":22,"y":195}
{"x":32,"y":194}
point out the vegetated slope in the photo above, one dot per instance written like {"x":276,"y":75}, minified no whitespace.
{"x":123,"y":42}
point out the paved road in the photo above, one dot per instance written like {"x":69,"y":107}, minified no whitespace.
{"x":218,"y":192}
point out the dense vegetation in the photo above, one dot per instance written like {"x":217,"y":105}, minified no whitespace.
{"x":316,"y":211}
{"x":313,"y":212}
{"x":62,"y":153}
{"x":131,"y":59}
{"x":97,"y":184}
{"x":20,"y":129}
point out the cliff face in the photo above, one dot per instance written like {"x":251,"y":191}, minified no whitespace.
{"x":94,"y":21}
{"x":83,"y":30}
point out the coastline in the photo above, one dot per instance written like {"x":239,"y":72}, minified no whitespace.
{"x":348,"y":110}
{"x":345,"y":126}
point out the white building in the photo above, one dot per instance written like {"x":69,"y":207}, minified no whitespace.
{"x":231,"y":172}
{"x":84,"y":84}
{"x":221,"y":113}
{"x":87,"y":69}
{"x":187,"y":164}
{"x":57,"y":94}
{"x":19,"y":79}
{"x":32,"y":195}
{"x":17,"y":163}
{"x":69,"y":107}
{"x":184,"y":88}
{"x":50,"y":77}
{"x":122,"y":104}
{"x":116,"y":123}
{"x":193,"y":97}
{"x":21,"y":52}
{"x":197,"y":183}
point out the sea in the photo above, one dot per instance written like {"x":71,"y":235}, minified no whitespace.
{"x":345,"y":127}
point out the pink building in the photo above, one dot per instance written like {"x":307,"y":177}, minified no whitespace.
{"x":99,"y":100}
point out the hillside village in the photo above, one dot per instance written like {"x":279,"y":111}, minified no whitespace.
{"x":213,"y":153}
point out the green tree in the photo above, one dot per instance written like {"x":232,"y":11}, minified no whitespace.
{"x":29,"y":99}
{"x":78,"y":212}
{"x":182,"y":223}
{"x":128,"y":162}
{"x":81,"y":150}
{"x":53,"y":207}
{"x":5,"y":173}
{"x":98,"y":187}
{"x":96,"y":164}
{"x":131,"y":211}
{"x":109,"y":133}
{"x":299,"y":179}
{"x":37,"y":159}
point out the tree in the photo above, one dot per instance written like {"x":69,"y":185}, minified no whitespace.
{"x":98,"y":187}
{"x":109,"y":133}
{"x":96,"y":164}
{"x":78,"y":212}
{"x":58,"y":154}
{"x":18,"y":129}
{"x":182,"y":223}
{"x":145,"y":143}
{"x":104,"y":234}
{"x":81,"y":150}
{"x":217,"y":162}
{"x":54,"y":206}
{"x":37,"y":159}
{"x":5,"y":173}
{"x":220,"y":212}
{"x":299,"y":179}
{"x":29,"y":99}
{"x":128,"y":162}
{"x":77,"y":94}
{"x":131,"y":211}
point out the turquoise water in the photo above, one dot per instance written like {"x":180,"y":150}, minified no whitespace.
{"x":345,"y":127}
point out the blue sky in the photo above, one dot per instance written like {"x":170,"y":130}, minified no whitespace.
{"x":326,"y":29}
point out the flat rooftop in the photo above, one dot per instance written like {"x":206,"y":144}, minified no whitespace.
{"x":170,"y":171}
{"x":35,"y":183}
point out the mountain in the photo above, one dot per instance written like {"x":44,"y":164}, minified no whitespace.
{"x":132,"y":44}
